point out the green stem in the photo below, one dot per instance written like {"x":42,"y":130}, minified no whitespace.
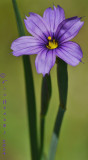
{"x":31,"y":106}
{"x":18,"y":19}
{"x":59,"y":119}
{"x":45,"y":99}
{"x":62,"y":78}
{"x":56,"y":133}
{"x":42,"y":128}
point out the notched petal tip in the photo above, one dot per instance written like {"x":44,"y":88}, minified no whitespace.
{"x":25,"y":20}
{"x":81,"y":20}
{"x":54,"y":7}
{"x":58,"y":6}
{"x":14,"y":54}
{"x":13,"y":45}
{"x":32,"y":14}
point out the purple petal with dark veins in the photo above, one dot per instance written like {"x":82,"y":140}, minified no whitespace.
{"x":49,"y":17}
{"x":59,"y":16}
{"x":68,"y":29}
{"x":37,"y":27}
{"x":54,"y":17}
{"x":70,"y":52}
{"x":26,"y":45}
{"x":45,"y":60}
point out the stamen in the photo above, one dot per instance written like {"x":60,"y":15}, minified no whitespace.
{"x":52,"y":44}
{"x":49,"y":38}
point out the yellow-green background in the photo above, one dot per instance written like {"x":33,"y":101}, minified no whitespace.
{"x":73,"y":143}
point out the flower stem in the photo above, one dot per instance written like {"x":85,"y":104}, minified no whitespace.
{"x":62,"y":78}
{"x":42,"y":128}
{"x":31,"y":105}
{"x":45,"y":99}
{"x":56,"y":133}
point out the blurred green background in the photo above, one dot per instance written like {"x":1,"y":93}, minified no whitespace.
{"x":73,"y":143}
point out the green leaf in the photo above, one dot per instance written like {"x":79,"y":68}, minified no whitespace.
{"x":62,"y":79}
{"x":45,"y":99}
{"x":45,"y":94}
{"x":31,"y":105}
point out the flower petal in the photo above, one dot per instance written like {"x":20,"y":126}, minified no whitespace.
{"x":49,"y":17}
{"x":70,"y":52}
{"x":26,"y":45}
{"x":59,"y":16}
{"x":45,"y":60}
{"x":36,"y":26}
{"x":68,"y":29}
{"x":54,"y":17}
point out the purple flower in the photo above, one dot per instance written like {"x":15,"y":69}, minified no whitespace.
{"x":50,"y":39}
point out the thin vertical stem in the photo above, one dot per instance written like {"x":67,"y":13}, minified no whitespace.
{"x":45,"y":99}
{"x":62,"y":78}
{"x":56,"y":133}
{"x":42,"y":130}
{"x":31,"y":105}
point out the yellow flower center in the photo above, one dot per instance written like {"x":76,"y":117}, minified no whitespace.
{"x":52,"y":43}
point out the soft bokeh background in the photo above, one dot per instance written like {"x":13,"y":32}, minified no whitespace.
{"x":73,"y":143}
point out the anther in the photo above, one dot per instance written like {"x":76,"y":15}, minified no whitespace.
{"x":49,"y":38}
